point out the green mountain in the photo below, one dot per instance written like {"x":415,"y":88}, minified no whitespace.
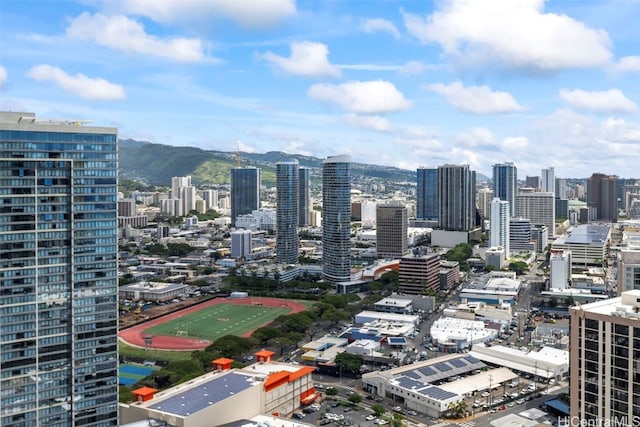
{"x":157,"y":163}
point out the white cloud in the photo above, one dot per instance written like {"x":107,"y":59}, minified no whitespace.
{"x":476,"y":99}
{"x":79,"y":85}
{"x":370,"y":122}
{"x":511,"y":143}
{"x":379,"y":24}
{"x":3,"y":76}
{"x":307,"y":59}
{"x":253,"y":14}
{"x":121,"y":33}
{"x":480,"y":138}
{"x":369,"y":97}
{"x":513,"y":34}
{"x":627,"y":64}
{"x":612,"y":100}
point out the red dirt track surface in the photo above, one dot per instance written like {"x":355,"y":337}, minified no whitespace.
{"x":135,"y":335}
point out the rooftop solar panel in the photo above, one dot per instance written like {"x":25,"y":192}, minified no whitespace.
{"x":427,"y":371}
{"x":412,"y":374}
{"x":409,"y":383}
{"x":438,"y":393}
{"x":442,"y":367}
{"x":197,"y":398}
{"x":471,"y":359}
{"x":458,"y":363}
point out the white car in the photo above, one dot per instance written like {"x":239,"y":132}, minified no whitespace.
{"x":370,"y":417}
{"x":382,"y":422}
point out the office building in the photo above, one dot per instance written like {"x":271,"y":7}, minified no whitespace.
{"x":532,"y":182}
{"x":418,"y":274}
{"x":187,"y":200}
{"x":602,"y":194}
{"x":539,"y":207}
{"x":392,"y":222}
{"x":126,"y":207}
{"x":548,"y":181}
{"x":304,"y":201}
{"x":499,"y":231}
{"x":520,"y":235}
{"x":505,"y":184}
{"x":561,"y":188}
{"x":245,"y":191}
{"x":604,"y":358}
{"x":456,"y":198}
{"x":287,"y":196}
{"x":589,"y":244}
{"x":58,"y":246}
{"x":427,"y":194}
{"x":485,"y":196}
{"x":336,"y":219}
{"x":540,"y":237}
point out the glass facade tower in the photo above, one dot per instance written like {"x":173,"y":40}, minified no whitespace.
{"x":336,"y":219}
{"x":245,"y":191}
{"x":304,"y":201}
{"x":58,"y":273}
{"x":287,"y":195}
{"x":505,"y":184}
{"x":427,"y":194}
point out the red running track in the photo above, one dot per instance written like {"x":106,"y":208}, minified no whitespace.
{"x":135,"y":335}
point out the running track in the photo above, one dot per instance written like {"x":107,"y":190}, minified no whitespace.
{"x":134,"y":335}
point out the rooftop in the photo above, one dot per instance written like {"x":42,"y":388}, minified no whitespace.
{"x":191,"y":399}
{"x":585,"y":234}
{"x":627,"y":305}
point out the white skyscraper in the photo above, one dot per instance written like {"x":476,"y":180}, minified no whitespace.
{"x":539,"y":207}
{"x":499,"y":232}
{"x":548,"y":181}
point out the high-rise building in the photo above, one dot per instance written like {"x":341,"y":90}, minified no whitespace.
{"x":187,"y":200}
{"x":392,"y":222}
{"x":418,"y":274}
{"x":456,"y":196}
{"x":499,"y":223}
{"x":505,"y":184}
{"x":287,"y":196}
{"x":629,"y":269}
{"x":485,"y":196}
{"x":241,"y":243}
{"x":336,"y":218}
{"x":177,"y":182}
{"x":210,"y":198}
{"x":126,"y":207}
{"x":532,"y":182}
{"x":602,"y":194}
{"x":245,"y":191}
{"x":539,"y":207}
{"x":427,"y":194}
{"x":520,"y":234}
{"x":58,"y":273}
{"x":548,"y":181}
{"x":604,"y":361}
{"x":559,"y":269}
{"x":561,"y":188}
{"x":304,"y":201}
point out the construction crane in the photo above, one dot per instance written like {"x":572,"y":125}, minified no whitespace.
{"x":238,"y":158}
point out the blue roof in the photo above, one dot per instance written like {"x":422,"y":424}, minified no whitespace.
{"x":197,"y":398}
{"x":558,"y":405}
{"x":396,"y":340}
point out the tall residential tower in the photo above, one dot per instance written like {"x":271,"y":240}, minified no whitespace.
{"x":58,"y":273}
{"x":505,"y":184}
{"x":456,"y":195}
{"x":336,"y":218}
{"x":287,"y":196}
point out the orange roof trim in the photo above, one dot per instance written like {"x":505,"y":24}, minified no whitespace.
{"x":222,"y":361}
{"x":265,"y":353}
{"x":301,"y":372}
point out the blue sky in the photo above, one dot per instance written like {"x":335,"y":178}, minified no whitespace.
{"x":400,"y":83}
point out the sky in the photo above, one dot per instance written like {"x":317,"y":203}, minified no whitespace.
{"x":390,"y":82}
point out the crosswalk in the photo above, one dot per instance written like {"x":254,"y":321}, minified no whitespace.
{"x":454,"y":424}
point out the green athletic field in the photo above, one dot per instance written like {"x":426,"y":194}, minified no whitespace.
{"x":218,"y":320}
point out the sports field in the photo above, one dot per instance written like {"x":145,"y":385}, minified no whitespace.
{"x":216,"y":321}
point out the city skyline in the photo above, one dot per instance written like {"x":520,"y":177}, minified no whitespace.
{"x":443,"y":85}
